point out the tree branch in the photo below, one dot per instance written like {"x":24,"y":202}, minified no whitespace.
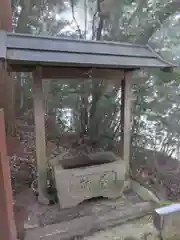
{"x":85,"y":16}
{"x":93,"y":25}
{"x":101,"y":21}
{"x":23,"y":17}
{"x":74,"y":18}
{"x":98,"y":12}
{"x":135,"y":13}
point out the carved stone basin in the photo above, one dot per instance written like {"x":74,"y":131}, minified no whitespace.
{"x":75,"y":185}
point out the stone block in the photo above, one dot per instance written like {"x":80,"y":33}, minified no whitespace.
{"x":78,"y":184}
{"x":167,"y":221}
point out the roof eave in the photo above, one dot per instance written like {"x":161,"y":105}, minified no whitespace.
{"x":169,"y":65}
{"x":32,"y":50}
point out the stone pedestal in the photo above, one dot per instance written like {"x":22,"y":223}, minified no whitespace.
{"x":78,"y":184}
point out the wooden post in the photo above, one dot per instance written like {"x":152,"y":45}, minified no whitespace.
{"x":122,"y":115}
{"x":7,"y":82}
{"x":7,"y":97}
{"x":3,"y":74}
{"x":7,"y":222}
{"x":5,"y":15}
{"x":39,"y":118}
{"x":126,"y":115}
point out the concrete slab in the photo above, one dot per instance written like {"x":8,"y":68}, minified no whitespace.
{"x":167,"y":221}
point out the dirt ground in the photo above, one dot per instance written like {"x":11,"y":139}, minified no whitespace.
{"x":41,"y":215}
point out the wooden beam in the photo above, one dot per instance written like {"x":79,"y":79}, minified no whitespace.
{"x":81,"y":73}
{"x":71,"y":72}
{"x":39,"y":114}
{"x":127,"y":98}
{"x":168,"y":69}
{"x":7,"y":222}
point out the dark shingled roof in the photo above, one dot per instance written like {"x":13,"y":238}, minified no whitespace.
{"x":55,"y":51}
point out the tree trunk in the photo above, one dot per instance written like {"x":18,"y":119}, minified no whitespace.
{"x":96,"y":89}
{"x":19,"y":98}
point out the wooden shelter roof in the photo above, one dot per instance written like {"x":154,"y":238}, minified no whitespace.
{"x":23,"y":49}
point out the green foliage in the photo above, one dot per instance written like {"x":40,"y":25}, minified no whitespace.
{"x":164,"y":204}
{"x":175,"y":237}
{"x":157,"y":95}
{"x":130,"y":238}
{"x":128,"y":2}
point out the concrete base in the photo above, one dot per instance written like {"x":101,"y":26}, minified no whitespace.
{"x":167,"y":221}
{"x":76,"y":185}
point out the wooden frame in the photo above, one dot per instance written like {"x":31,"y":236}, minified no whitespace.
{"x":59,"y":58}
{"x":39,"y":113}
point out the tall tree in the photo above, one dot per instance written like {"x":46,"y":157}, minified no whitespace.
{"x":128,"y":20}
